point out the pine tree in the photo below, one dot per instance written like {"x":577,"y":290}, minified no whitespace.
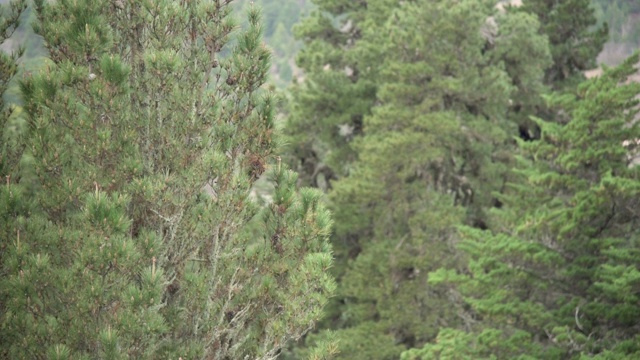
{"x":141,"y":240}
{"x":12,"y":127}
{"x":10,"y":115}
{"x":326,"y":109}
{"x":9,"y":22}
{"x":12,"y":121}
{"x":435,"y":145}
{"x":558,"y":276}
{"x":574,"y":43}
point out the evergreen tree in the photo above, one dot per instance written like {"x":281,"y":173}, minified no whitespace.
{"x":128,"y":227}
{"x":575,"y":44}
{"x":9,"y":22}
{"x":434,"y":144}
{"x":12,"y":121}
{"x":327,"y":108}
{"x":558,"y":276}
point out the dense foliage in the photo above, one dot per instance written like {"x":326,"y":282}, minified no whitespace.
{"x":409,"y":117}
{"x":557,"y":277}
{"x":128,"y":229}
{"x":485,"y":194}
{"x":574,"y":43}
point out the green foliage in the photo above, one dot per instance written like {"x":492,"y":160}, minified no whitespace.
{"x":460,"y":345}
{"x":326,"y":110}
{"x":9,"y":22}
{"x":280,"y":16}
{"x":560,"y":268}
{"x":12,"y":122}
{"x":128,"y":226}
{"x":408,"y":111}
{"x":574,"y":41}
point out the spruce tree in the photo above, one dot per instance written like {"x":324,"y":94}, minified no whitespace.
{"x":434,"y":146}
{"x":575,"y":43}
{"x":557,"y":278}
{"x":130,"y":230}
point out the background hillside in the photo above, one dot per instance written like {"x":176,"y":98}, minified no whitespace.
{"x":279,"y":19}
{"x":623,"y":18}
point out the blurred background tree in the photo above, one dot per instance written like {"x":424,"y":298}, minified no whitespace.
{"x":280,"y":18}
{"x":623,"y":17}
